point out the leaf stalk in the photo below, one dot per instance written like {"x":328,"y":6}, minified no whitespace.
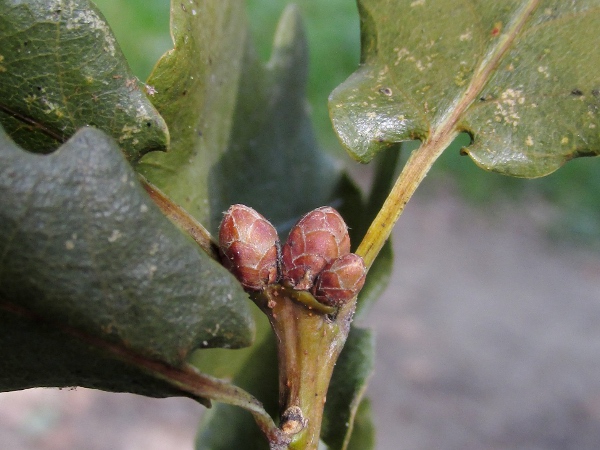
{"x":413,"y":173}
{"x":182,"y":219}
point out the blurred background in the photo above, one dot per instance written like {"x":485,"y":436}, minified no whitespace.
{"x":489,"y":334}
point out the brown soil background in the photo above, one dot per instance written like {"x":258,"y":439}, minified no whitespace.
{"x":487,"y":338}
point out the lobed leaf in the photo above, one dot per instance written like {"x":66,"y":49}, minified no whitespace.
{"x":84,"y":250}
{"x":61,"y":69}
{"x":240,"y":131}
{"x":197,"y":83}
{"x":520,"y":76}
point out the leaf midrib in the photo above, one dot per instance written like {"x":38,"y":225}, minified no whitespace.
{"x":483,"y":73}
{"x":441,"y":136}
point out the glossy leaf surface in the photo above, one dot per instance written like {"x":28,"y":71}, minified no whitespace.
{"x":520,"y":76}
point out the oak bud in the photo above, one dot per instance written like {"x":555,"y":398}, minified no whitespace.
{"x":340,"y":281}
{"x":320,"y":237}
{"x":249,"y":247}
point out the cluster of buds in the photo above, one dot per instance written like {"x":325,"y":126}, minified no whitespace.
{"x":316,"y":257}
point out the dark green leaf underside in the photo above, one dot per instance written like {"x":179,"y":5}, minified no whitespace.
{"x":82,"y":246}
{"x":61,"y":69}
{"x":35,"y":354}
{"x":521,"y":76}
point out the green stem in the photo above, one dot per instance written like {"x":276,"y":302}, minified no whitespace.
{"x":411,"y":176}
{"x":309,"y":343}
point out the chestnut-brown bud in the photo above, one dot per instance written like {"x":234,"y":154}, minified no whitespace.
{"x":340,"y":281}
{"x":320,"y":237}
{"x":249,"y":247}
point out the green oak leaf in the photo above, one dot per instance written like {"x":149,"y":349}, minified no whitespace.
{"x":348,"y":383}
{"x":363,"y":434}
{"x":520,"y":76}
{"x":197,"y":83}
{"x":240,"y":132}
{"x":61,"y":69}
{"x":85,"y":252}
